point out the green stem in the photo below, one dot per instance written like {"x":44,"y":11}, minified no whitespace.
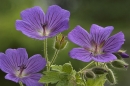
{"x":90,"y":64}
{"x":54,"y":57}
{"x":21,"y":84}
{"x":45,"y":52}
{"x":46,"y":55}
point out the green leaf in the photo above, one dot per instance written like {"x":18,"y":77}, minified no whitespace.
{"x":62,"y":75}
{"x":67,"y":68}
{"x":57,"y":67}
{"x":50,"y":77}
{"x":62,"y":83}
{"x":98,"y":81}
{"x":79,"y":80}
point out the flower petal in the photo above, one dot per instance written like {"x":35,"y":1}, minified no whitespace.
{"x":12,"y":77}
{"x":34,"y":16}
{"x":55,"y":16}
{"x":80,"y":37}
{"x":6,"y":65}
{"x":32,"y":80}
{"x":105,"y":57}
{"x":18,"y":56}
{"x":80,"y":54}
{"x":35,"y":64}
{"x":100,"y":34}
{"x":29,"y":30}
{"x":114,"y":43}
{"x":59,"y":28}
{"x":12,"y":59}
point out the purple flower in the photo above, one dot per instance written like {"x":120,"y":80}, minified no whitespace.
{"x":36,"y":24}
{"x":97,"y":45}
{"x":18,"y":67}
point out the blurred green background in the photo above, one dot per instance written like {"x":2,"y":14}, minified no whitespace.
{"x":83,"y":12}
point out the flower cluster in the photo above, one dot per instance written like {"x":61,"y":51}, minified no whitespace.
{"x":96,"y":47}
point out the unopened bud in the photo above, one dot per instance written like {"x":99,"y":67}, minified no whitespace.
{"x":123,"y":54}
{"x":118,"y":56}
{"x":90,"y":74}
{"x":60,"y":42}
{"x":99,"y":70}
{"x":110,"y":77}
{"x":119,"y":64}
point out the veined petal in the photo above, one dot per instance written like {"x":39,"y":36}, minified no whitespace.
{"x":59,"y":28}
{"x":12,"y":77}
{"x":6,"y":65}
{"x":80,"y":54}
{"x":80,"y":37}
{"x":104,"y":57}
{"x":114,"y":43}
{"x":35,"y":64}
{"x":32,"y":80}
{"x":100,"y":34}
{"x":34,"y":16}
{"x":29,"y":30}
{"x":17,"y":56}
{"x":56,"y":15}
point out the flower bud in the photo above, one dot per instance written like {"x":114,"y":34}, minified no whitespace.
{"x":118,"y":56}
{"x":99,"y":70}
{"x":90,"y":74}
{"x":110,"y":77}
{"x":123,"y":54}
{"x":60,"y":42}
{"x":119,"y":64}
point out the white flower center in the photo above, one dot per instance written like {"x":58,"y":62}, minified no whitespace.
{"x":20,"y":72}
{"x":96,"y":49}
{"x":44,"y":31}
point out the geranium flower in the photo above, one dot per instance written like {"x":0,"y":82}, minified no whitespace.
{"x":97,"y":45}
{"x":19,"y":68}
{"x":36,"y":24}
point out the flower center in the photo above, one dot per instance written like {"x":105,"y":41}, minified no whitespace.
{"x":20,"y":72}
{"x":96,"y":49}
{"x":44,"y":31}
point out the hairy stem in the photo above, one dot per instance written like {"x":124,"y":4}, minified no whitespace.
{"x":90,"y":64}
{"x":46,"y":55}
{"x":54,"y":57}
{"x":45,"y":52}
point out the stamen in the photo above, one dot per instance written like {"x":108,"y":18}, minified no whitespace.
{"x":20,"y":70}
{"x":96,"y":49}
{"x":44,"y":29}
